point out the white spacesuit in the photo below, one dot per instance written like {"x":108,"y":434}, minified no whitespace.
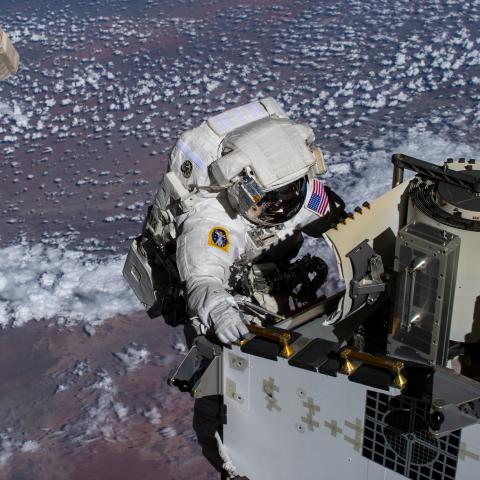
{"x":240,"y":186}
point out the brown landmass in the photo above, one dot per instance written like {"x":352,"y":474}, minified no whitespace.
{"x":73,"y":422}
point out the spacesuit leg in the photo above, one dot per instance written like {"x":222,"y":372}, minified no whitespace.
{"x":207,"y":421}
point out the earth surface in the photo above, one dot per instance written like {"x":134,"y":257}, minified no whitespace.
{"x":104,"y":89}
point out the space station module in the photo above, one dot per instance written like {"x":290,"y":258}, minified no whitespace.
{"x":227,"y":218}
{"x":380,"y":380}
{"x":9,"y":58}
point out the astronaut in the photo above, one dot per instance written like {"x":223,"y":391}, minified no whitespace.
{"x":239,"y":190}
{"x":224,"y":228}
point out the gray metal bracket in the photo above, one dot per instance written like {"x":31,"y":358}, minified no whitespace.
{"x":455,"y":402}
{"x":200,"y":372}
{"x":183,"y":377}
{"x":367,"y":284}
{"x":366,"y":287}
{"x":210,"y":382}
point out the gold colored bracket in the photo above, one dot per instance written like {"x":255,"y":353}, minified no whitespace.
{"x":399,"y":381}
{"x":283,"y":338}
{"x":348,"y":367}
{"x":394,"y":366}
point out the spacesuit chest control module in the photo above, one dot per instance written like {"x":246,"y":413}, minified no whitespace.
{"x":228,"y":219}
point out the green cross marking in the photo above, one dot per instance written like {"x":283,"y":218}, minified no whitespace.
{"x":269,"y":388}
{"x":334,"y":428}
{"x":463,"y":453}
{"x":312,"y":409}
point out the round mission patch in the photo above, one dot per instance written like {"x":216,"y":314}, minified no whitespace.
{"x":186,"y":168}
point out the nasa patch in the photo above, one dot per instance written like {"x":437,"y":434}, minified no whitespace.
{"x":218,"y":237}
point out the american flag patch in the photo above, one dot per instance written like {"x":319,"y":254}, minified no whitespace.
{"x":318,"y":201}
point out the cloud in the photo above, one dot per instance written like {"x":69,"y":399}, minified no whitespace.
{"x":45,"y":282}
{"x":367,"y":173}
{"x":101,"y":418}
{"x":15,"y":113}
{"x":133,"y":357}
{"x":10,"y":446}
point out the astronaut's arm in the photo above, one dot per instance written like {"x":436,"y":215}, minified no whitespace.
{"x":206,"y":249}
{"x":215,"y":308}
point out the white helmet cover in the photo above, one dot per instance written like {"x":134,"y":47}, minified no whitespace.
{"x":276,"y":151}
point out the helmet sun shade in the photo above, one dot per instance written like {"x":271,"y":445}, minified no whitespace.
{"x":278,"y":206}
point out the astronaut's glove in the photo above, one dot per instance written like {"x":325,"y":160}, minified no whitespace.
{"x":228,"y":322}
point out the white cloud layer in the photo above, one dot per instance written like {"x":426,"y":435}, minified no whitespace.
{"x":9,"y":446}
{"x":53,"y":282}
{"x":14,"y":113}
{"x":45,"y":282}
{"x":366,"y":174}
{"x":133,"y":357}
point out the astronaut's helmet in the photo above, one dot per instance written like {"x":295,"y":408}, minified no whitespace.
{"x":279,"y":205}
{"x":265,"y":167}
